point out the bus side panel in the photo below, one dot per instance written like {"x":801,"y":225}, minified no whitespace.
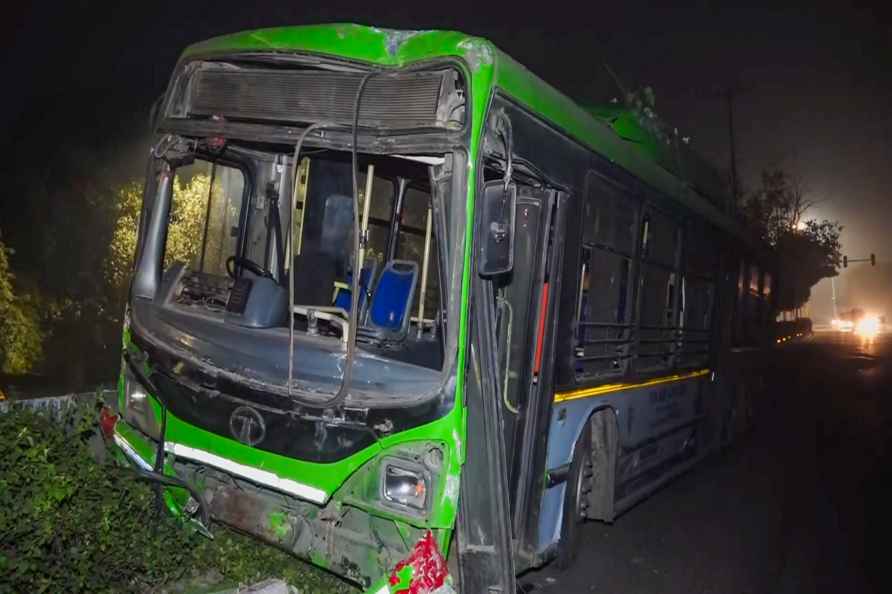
{"x":655,"y":425}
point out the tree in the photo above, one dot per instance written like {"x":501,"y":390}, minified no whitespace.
{"x":807,"y":250}
{"x":118,"y":262}
{"x":184,"y":234}
{"x":21,"y":335}
{"x":60,"y":219}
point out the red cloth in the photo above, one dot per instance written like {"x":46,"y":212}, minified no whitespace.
{"x":429,"y":570}
{"x":107,"y":421}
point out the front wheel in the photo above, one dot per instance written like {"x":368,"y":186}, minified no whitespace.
{"x":576,"y":499}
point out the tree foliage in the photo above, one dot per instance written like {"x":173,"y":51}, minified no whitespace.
{"x":21,"y":333}
{"x":119,"y":262}
{"x":807,"y":250}
{"x":184,"y":234}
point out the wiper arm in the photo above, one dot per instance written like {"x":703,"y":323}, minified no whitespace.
{"x":358,"y":253}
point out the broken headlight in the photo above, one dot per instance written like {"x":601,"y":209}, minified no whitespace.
{"x":405,"y":485}
{"x":138,"y":410}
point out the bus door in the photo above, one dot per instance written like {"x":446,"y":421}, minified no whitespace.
{"x":521,"y":301}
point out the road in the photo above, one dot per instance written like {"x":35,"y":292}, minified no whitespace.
{"x":790,"y":509}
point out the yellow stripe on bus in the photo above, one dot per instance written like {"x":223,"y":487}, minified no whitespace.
{"x":610,"y":388}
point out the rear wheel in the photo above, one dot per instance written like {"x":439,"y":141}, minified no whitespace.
{"x":576,"y":499}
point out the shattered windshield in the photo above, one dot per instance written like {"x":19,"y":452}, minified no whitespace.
{"x":205,"y":216}
{"x":232,"y":229}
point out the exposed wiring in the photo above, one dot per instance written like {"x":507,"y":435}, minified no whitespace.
{"x":163,"y":145}
{"x":507,"y":305}
{"x":347,"y":377}
{"x":172,"y":481}
{"x":505,"y":131}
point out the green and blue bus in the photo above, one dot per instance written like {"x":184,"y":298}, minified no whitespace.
{"x":402,"y":308}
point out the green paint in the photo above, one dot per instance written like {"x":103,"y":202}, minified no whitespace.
{"x":327,"y":477}
{"x":404,"y":575}
{"x":143,"y":446}
{"x":278,"y":523}
{"x":318,"y":559}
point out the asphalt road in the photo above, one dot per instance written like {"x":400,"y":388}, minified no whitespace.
{"x":791,"y":509}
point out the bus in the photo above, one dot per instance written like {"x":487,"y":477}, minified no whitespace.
{"x":402,"y":308}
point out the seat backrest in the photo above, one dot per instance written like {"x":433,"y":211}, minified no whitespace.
{"x":389,"y":310}
{"x":366,"y":278}
{"x":314,"y":272}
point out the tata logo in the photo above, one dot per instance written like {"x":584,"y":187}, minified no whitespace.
{"x":247,"y":426}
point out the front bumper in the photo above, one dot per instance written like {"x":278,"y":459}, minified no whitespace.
{"x":330,"y":530}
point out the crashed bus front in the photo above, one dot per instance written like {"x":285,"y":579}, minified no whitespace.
{"x":292,"y":337}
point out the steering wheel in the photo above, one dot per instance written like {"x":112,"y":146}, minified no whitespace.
{"x":254,"y":267}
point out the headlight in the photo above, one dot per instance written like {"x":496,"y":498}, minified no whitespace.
{"x":405,"y":484}
{"x":138,"y":407}
{"x":868,"y":326}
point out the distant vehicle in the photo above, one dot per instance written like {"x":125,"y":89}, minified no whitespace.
{"x":860,"y":322}
{"x":847,"y":320}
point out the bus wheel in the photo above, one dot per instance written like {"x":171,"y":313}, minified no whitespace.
{"x":576,"y":499}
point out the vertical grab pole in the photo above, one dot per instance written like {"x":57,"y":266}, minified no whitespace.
{"x":424,"y":263}
{"x":363,"y":239}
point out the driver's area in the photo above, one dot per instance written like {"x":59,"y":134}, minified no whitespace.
{"x":242,"y":223}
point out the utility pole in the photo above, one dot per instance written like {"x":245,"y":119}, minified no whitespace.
{"x":729,"y":98}
{"x":729,"y":94}
{"x":833,"y":296}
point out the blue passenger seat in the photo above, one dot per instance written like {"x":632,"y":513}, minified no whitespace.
{"x":366,"y":278}
{"x":388,"y":315}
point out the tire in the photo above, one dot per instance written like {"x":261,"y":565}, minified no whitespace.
{"x":579,"y":484}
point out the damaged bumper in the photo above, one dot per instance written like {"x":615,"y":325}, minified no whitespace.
{"x":349,"y":530}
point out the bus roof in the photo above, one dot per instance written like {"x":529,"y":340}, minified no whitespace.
{"x":616,"y":133}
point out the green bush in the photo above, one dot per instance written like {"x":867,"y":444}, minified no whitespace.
{"x":71,"y":524}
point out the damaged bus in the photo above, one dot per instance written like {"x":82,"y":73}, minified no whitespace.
{"x":403,"y":309}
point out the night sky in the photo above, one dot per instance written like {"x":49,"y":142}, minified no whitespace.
{"x":816,"y":81}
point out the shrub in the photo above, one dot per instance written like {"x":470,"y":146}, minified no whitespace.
{"x":71,"y":524}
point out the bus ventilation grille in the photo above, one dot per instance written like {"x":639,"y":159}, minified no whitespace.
{"x":395,"y":101}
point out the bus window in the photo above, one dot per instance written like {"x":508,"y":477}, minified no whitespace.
{"x":380,"y":213}
{"x":410,"y":246}
{"x":739,"y":312}
{"x":204,"y":223}
{"x":754,"y":281}
{"x":604,"y":316}
{"x":767,"y":289}
{"x":610,"y":217}
{"x":698,"y":288}
{"x":754,"y":305}
{"x":604,"y":331}
{"x":658,"y":297}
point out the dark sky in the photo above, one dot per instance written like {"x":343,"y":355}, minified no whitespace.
{"x":816,"y":80}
